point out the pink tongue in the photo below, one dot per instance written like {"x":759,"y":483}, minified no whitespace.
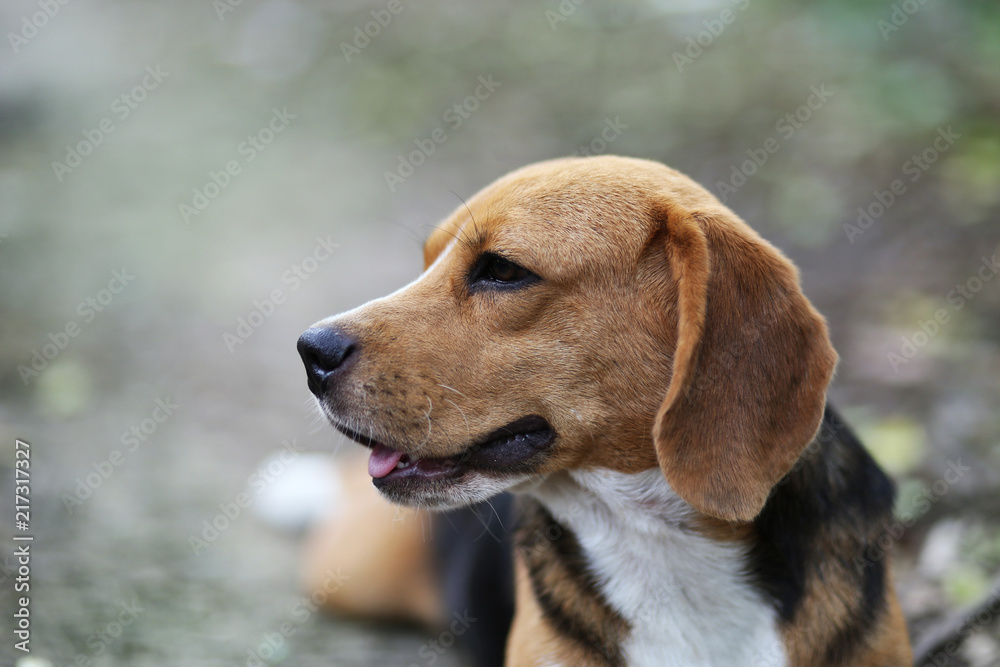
{"x":383,"y":460}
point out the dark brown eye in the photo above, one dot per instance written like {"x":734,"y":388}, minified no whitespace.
{"x":501,"y":270}
{"x":492,"y":271}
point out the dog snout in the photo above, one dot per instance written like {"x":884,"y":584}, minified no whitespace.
{"x":325,"y":351}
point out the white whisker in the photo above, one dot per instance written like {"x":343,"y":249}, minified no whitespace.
{"x":444,"y":386}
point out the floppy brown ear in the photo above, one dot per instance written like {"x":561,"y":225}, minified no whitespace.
{"x":750,"y":370}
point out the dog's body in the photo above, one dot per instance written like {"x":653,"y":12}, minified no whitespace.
{"x":794,"y":587}
{"x":603,"y":338}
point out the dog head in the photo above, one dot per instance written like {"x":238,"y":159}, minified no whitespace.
{"x":582,"y":313}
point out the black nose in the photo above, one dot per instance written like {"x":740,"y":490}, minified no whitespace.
{"x":324,"y":351}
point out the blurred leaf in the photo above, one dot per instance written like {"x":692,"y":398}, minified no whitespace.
{"x":971,"y":177}
{"x":908,"y":491}
{"x":984,"y":547}
{"x":965,"y":584}
{"x":64,"y":389}
{"x":897,"y":443}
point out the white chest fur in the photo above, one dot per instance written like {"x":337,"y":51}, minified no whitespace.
{"x":685,"y":596}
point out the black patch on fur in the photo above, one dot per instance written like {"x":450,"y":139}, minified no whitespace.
{"x":550,"y":550}
{"x":835,"y":495}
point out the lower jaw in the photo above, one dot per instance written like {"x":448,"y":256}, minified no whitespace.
{"x":417,"y":476}
{"x":466,"y":488}
{"x":437,"y":494}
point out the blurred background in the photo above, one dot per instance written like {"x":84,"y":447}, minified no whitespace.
{"x":186,"y":186}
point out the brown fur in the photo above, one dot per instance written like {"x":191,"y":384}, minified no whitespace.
{"x":532,"y":642}
{"x":563,"y":591}
{"x":679,"y":338}
{"x":829,"y":597}
{"x":890,"y":643}
{"x":724,"y":439}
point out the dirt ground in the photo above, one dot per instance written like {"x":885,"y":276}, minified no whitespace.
{"x":238,"y":186}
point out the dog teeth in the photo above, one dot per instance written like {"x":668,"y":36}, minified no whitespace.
{"x":404,"y":462}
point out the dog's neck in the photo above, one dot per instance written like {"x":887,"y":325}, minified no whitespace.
{"x":684,"y":596}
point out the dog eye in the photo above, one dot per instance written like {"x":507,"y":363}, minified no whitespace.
{"x":503,"y":271}
{"x":496,"y":270}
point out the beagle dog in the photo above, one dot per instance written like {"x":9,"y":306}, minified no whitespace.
{"x":606,"y":341}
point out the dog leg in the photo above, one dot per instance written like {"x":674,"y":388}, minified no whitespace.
{"x":380,"y":553}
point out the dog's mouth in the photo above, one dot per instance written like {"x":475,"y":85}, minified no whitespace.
{"x":509,"y":449}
